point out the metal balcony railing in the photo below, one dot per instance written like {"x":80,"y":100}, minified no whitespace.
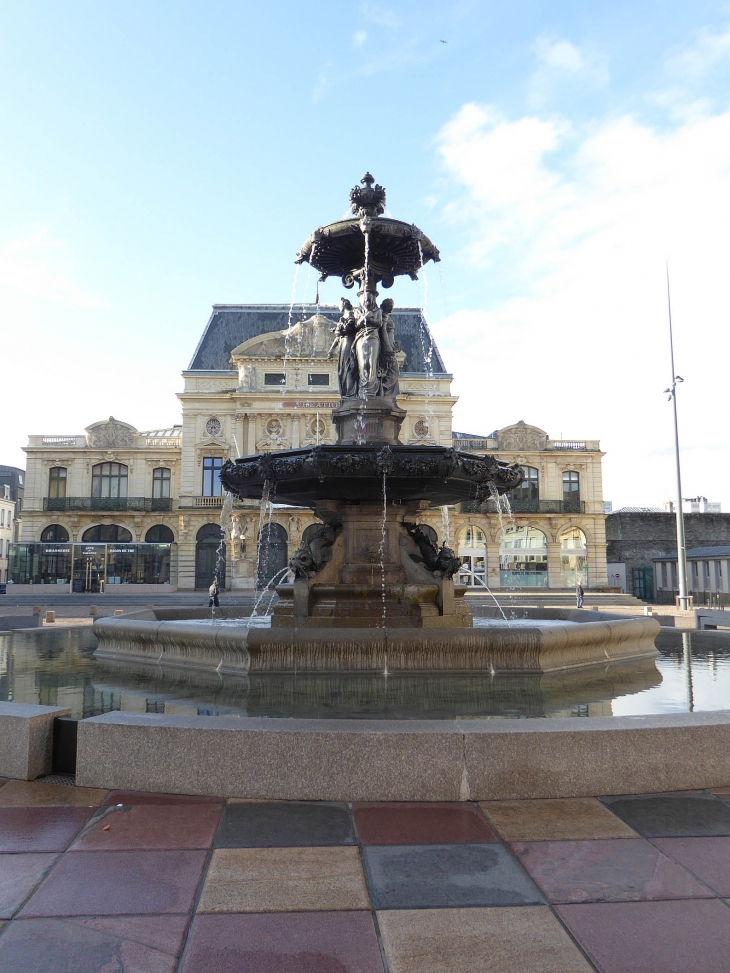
{"x":112,"y":504}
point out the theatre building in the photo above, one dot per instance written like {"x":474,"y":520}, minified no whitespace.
{"x":118,"y":506}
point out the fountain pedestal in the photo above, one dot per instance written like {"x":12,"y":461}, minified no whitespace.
{"x":375,"y":575}
{"x":373,"y":421}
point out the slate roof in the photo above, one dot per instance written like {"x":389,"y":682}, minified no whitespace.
{"x":698,"y":552}
{"x":231,"y":324}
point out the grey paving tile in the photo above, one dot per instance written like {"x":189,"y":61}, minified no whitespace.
{"x":284,"y":824}
{"x":442,"y":876}
{"x":672,"y":815}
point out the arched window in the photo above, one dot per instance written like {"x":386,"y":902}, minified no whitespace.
{"x":109,"y":480}
{"x":54,"y":533}
{"x":159,"y":534}
{"x":571,"y":491}
{"x":523,"y":558}
{"x":273,"y":559}
{"x":573,"y":557}
{"x":57,"y":482}
{"x":160,"y":483}
{"x":210,"y":557}
{"x":472,"y":536}
{"x":107,"y":534}
{"x":528,"y":491}
{"x":430,"y":533}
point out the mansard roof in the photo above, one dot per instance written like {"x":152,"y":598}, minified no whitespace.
{"x":232,"y":324}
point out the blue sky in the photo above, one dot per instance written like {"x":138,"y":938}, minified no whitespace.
{"x":161,"y":157}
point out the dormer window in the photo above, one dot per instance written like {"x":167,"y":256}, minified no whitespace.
{"x":274,"y":378}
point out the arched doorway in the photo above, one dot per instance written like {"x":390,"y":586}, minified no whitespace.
{"x":573,"y":557}
{"x":523,"y":558}
{"x":473,"y":554}
{"x":272,"y":553}
{"x":208,"y":541}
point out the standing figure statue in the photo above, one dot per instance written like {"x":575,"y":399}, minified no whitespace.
{"x":367,"y":347}
{"x":346,"y":361}
{"x":388,"y":364}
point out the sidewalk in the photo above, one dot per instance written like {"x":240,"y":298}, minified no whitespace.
{"x":94,"y":881}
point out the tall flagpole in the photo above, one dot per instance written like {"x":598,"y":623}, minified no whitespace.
{"x":683,"y":599}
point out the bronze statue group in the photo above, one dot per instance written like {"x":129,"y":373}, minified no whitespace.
{"x":367,"y":364}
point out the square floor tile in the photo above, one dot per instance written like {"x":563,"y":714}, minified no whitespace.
{"x":19,"y":875}
{"x":146,"y":797}
{"x":151,"y":827}
{"x":284,"y":880}
{"x":707,"y":858}
{"x":522,"y":940}
{"x":440,"y":876}
{"x":671,"y":815}
{"x":280,"y":824}
{"x":108,"y":883}
{"x":615,"y":870}
{"x":555,"y":820}
{"x":29,"y":793}
{"x":690,"y":936}
{"x":421,"y":824}
{"x":126,"y":944}
{"x":315,"y":942}
{"x":40,"y":828}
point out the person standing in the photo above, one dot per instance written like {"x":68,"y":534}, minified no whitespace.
{"x":579,"y":595}
{"x":213,"y":591}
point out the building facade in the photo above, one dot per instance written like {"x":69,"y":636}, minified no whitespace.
{"x":119,"y":506}
{"x":7,"y":529}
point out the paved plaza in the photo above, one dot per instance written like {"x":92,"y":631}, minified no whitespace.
{"x":93,"y":882}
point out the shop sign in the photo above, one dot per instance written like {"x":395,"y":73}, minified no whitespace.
{"x":122,"y":550}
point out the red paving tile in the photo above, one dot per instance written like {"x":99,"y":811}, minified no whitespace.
{"x":106,"y":883}
{"x":422,"y":824}
{"x":142,"y":797}
{"x":150,"y":827}
{"x":294,"y":942}
{"x":19,"y":875}
{"x":125,"y":944}
{"x":40,"y":828}
{"x":689,"y":936}
{"x":611,"y":870}
{"x":707,"y":858}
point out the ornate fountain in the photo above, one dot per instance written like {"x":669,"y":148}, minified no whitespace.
{"x":369,"y":563}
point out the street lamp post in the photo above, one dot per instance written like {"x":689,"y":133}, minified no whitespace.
{"x":683,"y":599}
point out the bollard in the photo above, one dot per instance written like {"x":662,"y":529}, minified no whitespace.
{"x":93,"y":610}
{"x":118,"y":611}
{"x":50,"y":616}
{"x":36,"y":609}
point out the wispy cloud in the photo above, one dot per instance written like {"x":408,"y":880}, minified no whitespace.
{"x":359,"y":38}
{"x":560,"y":64}
{"x":695,"y":61}
{"x":36,"y":267}
{"x":322,"y":83}
{"x":383,"y":16}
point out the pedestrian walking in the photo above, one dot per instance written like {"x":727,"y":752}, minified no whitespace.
{"x":579,"y":595}
{"x":213,"y":591}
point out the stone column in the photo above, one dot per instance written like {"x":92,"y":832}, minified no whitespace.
{"x":555,"y":576}
{"x":493,"y":564}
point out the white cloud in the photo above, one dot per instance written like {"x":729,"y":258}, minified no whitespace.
{"x":36,"y":267}
{"x":695,"y":61}
{"x":382,"y":16}
{"x":578,"y":224}
{"x":560,"y":65}
{"x":359,"y":38}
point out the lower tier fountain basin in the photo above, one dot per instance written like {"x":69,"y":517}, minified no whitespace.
{"x":189,"y":639}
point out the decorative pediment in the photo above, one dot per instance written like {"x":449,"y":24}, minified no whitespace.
{"x":521,"y":436}
{"x":110,"y":433}
{"x":306,"y":339}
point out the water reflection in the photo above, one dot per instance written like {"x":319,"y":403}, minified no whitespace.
{"x":58,"y":668}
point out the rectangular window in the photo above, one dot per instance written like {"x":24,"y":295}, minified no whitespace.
{"x":274,"y":378}
{"x":317,"y":378}
{"x":160,"y":483}
{"x":212,"y":486}
{"x":2,"y":517}
{"x":57,"y":483}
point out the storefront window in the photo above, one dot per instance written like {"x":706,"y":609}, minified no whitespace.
{"x":160,"y":483}
{"x":109,"y":480}
{"x":86,"y":565}
{"x":573,"y":557}
{"x":523,"y":558}
{"x":473,"y":554}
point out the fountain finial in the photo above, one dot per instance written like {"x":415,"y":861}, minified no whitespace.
{"x":370,"y":201}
